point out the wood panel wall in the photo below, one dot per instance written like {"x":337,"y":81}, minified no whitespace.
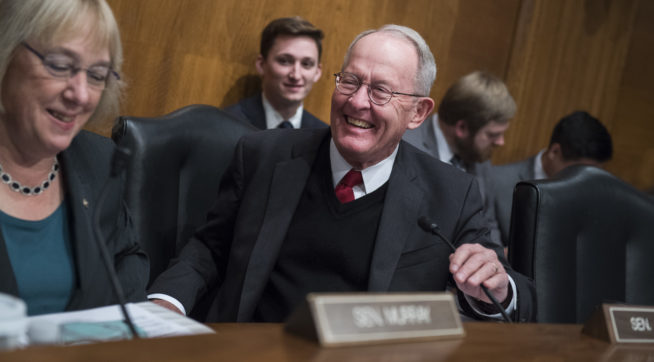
{"x":593,"y":55}
{"x":556,"y":56}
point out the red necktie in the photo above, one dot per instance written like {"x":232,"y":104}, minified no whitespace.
{"x":343,"y":190}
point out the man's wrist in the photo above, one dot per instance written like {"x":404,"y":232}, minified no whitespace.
{"x":489,"y":308}
{"x":168,"y":299}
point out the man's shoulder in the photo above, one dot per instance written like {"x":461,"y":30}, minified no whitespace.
{"x":90,"y":145}
{"x":247,"y":109}
{"x":424,"y":130}
{"x":246,"y":102}
{"x":423,"y":137}
{"x":272,"y":140}
{"x":311,"y":121}
{"x":513,"y":168}
{"x":438,"y":184}
{"x":430,"y":168}
{"x":89,"y":157}
{"x":504,"y":177}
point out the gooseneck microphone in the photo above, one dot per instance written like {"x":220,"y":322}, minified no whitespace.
{"x":118,"y":162}
{"x":433,"y":228}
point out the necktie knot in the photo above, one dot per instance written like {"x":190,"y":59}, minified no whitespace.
{"x":352,"y":178}
{"x":285,"y":124}
{"x":343,"y":190}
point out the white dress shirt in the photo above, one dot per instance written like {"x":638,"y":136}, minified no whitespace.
{"x":539,"y":172}
{"x":273,"y":118}
{"x":445,"y":153}
{"x":373,"y":177}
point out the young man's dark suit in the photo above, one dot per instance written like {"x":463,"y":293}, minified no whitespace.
{"x":251,"y":109}
{"x":257,"y":200}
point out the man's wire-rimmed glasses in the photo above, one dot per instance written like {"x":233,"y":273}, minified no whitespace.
{"x":348,"y":84}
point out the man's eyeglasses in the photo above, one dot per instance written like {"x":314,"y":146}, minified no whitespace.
{"x":348,"y":84}
{"x":63,"y":66}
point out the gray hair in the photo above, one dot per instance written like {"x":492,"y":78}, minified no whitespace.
{"x":51,"y":21}
{"x":426,"y":72}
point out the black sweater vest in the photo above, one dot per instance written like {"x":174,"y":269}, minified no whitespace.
{"x":328,"y":246}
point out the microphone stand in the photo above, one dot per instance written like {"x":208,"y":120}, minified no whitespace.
{"x":433,"y":228}
{"x":118,"y":163}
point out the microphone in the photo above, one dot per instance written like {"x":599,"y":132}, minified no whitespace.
{"x":118,"y":163}
{"x":432,"y":227}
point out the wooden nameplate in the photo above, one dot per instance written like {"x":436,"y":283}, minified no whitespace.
{"x":337,"y":319}
{"x":620,"y":323}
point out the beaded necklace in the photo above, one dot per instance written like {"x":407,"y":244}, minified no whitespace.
{"x":26,"y":190}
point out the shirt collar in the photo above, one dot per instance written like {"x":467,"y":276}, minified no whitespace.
{"x":445,"y":153}
{"x":273,"y":118}
{"x":539,"y":172}
{"x":373,"y":177}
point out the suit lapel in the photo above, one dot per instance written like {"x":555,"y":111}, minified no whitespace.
{"x":287,"y":185}
{"x":305,"y":122}
{"x":399,"y":216}
{"x":480,"y":171}
{"x":80,"y":206}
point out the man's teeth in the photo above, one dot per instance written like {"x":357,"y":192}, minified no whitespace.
{"x":358,"y":123}
{"x":61,"y":117}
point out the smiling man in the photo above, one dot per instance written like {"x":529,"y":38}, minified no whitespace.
{"x":336,"y":211}
{"x":289,"y":65}
{"x":469,"y":125}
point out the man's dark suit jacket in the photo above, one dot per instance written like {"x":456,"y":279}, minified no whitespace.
{"x":85,"y":166}
{"x":238,"y":247}
{"x":251,"y":109}
{"x":424,"y":138}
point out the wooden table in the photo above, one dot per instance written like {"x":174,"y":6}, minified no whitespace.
{"x":268,"y":342}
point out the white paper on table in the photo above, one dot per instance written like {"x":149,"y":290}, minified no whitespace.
{"x":152,"y":319}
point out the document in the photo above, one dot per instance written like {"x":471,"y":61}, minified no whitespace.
{"x":105,"y":323}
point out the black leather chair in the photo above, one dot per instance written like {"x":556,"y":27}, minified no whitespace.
{"x":173,"y":173}
{"x":585,"y":238}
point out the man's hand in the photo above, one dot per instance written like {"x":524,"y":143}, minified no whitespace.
{"x":166,"y":305}
{"x":471,"y":265}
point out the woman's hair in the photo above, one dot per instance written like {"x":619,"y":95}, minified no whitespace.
{"x":49,"y":22}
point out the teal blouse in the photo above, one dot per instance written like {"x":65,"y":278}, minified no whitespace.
{"x":41,"y":258}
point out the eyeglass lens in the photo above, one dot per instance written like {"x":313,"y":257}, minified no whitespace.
{"x":63,"y":66}
{"x":348,"y":84}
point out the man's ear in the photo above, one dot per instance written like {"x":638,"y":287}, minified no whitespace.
{"x":461,"y":129}
{"x":423,"y":109}
{"x":554,"y":152}
{"x":318,"y":73}
{"x":554,"y":161}
{"x":259,"y":64}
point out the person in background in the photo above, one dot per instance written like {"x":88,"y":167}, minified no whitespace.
{"x":469,"y":125}
{"x":59,"y":67}
{"x":336,"y":210}
{"x":577,"y":138}
{"x":289,"y":65}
